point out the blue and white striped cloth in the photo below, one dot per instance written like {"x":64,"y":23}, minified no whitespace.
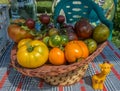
{"x":12,"y":80}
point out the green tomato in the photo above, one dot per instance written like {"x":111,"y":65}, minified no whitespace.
{"x":64,"y":40}
{"x":91,"y":44}
{"x":46,"y":40}
{"x":55,"y":41}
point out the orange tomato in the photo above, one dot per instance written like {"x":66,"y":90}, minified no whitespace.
{"x":84,"y":48}
{"x":75,"y":50}
{"x":72,"y":52}
{"x":56,"y":56}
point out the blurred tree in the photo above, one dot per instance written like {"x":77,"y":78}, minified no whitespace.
{"x":117,"y":17}
{"x":116,"y":21}
{"x":4,"y":1}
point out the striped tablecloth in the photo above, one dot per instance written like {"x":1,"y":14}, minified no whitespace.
{"x":11,"y":80}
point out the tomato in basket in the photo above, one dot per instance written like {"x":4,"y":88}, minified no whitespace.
{"x":75,"y":50}
{"x":55,"y":40}
{"x":32,"y":54}
{"x":91,"y":44}
{"x":64,"y":39}
{"x":56,"y":56}
{"x":16,"y":33}
{"x":101,"y":33}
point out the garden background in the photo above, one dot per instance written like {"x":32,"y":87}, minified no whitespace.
{"x":44,"y":6}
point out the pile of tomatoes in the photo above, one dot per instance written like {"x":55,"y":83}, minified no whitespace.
{"x":56,"y":44}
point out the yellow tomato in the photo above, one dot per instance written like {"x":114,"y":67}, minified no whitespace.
{"x":33,"y":54}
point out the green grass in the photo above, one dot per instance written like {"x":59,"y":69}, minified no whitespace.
{"x":44,"y":3}
{"x":4,"y":2}
{"x":116,"y":38}
{"x":44,"y":6}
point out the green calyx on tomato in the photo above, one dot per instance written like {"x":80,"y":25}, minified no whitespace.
{"x":24,"y":42}
{"x":30,"y":49}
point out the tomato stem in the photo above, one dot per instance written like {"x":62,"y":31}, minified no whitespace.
{"x":30,"y":49}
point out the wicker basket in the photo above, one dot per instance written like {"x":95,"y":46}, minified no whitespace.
{"x":58,"y":75}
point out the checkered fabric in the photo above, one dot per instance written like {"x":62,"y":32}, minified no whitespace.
{"x":12,"y":80}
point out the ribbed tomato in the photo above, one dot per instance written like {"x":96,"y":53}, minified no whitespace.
{"x":84,"y":48}
{"x":16,"y":33}
{"x":72,"y":52}
{"x":32,"y":54}
{"x":75,"y":50}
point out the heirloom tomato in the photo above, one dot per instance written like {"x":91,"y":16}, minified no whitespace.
{"x":84,"y":48}
{"x":56,"y":56}
{"x":44,"y":19}
{"x":32,"y":54}
{"x":53,"y":31}
{"x":72,"y":52}
{"x":46,"y":40}
{"x":83,"y":29}
{"x":17,"y":21}
{"x":55,"y":40}
{"x":101,"y":33}
{"x":61,"y":19}
{"x":30,"y":23}
{"x":64,"y":39}
{"x":91,"y":44}
{"x":16,"y":33}
{"x":75,"y":50}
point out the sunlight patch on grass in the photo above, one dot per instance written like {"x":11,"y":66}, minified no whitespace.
{"x":44,"y":3}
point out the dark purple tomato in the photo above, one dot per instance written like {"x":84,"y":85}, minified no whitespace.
{"x":60,"y":19}
{"x":30,"y":23}
{"x":71,"y":34}
{"x":45,"y":19}
{"x":83,"y":29}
